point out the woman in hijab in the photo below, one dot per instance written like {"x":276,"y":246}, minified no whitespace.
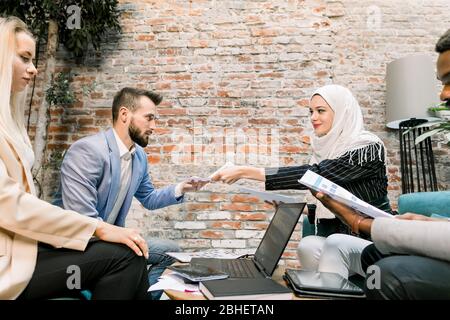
{"x":343,"y":152}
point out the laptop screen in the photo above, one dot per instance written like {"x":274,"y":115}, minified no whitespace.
{"x":277,"y":236}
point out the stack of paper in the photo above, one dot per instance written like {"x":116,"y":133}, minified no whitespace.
{"x":212,"y":253}
{"x":174,"y":282}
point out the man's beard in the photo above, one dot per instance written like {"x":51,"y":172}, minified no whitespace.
{"x":137,"y":136}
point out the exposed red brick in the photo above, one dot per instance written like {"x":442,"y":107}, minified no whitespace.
{"x":236,"y":207}
{"x":200,"y":206}
{"x":241,"y":198}
{"x":211,"y":234}
{"x":145,"y":37}
{"x":215,"y":197}
{"x":250,"y":216}
{"x":227,"y":225}
{"x":171,"y":112}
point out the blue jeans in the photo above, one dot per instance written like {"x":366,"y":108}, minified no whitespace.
{"x":158,"y":260}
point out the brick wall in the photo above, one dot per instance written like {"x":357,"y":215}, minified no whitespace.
{"x":236,"y":76}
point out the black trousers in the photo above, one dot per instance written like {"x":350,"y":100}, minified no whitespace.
{"x":110,"y":271}
{"x":406,"y":277}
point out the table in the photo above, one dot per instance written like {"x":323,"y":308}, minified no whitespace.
{"x":180,"y":295}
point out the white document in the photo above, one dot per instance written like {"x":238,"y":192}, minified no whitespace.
{"x":172,"y":281}
{"x":212,"y":253}
{"x":269,"y":196}
{"x":200,"y":179}
{"x":318,"y":183}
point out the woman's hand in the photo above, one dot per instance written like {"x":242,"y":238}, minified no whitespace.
{"x":234,"y":173}
{"x":228,"y":175}
{"x":130,"y":237}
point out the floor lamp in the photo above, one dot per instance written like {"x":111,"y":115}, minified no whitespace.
{"x":411,"y":88}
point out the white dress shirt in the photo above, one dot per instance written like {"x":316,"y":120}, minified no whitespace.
{"x":126,"y":161}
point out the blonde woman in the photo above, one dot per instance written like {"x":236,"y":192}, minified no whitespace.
{"x":40,"y":244}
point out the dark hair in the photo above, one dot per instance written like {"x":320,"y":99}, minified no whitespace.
{"x":128,"y":97}
{"x":443,"y":43}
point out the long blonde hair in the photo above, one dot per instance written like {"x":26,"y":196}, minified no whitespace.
{"x":12,"y":118}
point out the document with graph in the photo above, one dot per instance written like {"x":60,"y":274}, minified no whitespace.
{"x":318,"y":183}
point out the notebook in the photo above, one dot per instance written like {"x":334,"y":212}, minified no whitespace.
{"x":325,"y":284}
{"x":270,"y":249}
{"x":245,"y":289}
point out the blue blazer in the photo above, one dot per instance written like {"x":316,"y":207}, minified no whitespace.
{"x":90,"y":179}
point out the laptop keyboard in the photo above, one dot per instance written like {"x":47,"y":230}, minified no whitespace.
{"x":240,"y":268}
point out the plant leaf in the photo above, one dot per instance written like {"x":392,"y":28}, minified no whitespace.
{"x":422,"y":137}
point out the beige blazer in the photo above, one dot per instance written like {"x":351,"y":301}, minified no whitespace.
{"x":25,"y":220}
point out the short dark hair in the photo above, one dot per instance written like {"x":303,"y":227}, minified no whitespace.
{"x":128,"y":97}
{"x":443,"y":43}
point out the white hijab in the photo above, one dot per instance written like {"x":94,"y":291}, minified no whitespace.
{"x":347,"y":134}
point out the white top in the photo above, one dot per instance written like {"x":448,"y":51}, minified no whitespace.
{"x":125,"y":176}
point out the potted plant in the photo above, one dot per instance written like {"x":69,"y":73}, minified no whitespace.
{"x":441,"y":126}
{"x":441,"y":110}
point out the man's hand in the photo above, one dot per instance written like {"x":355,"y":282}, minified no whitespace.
{"x":193,"y":184}
{"x":352,"y":218}
{"x":342,"y":211}
{"x":130,"y":237}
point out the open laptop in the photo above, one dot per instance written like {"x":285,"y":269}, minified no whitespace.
{"x":270,"y":249}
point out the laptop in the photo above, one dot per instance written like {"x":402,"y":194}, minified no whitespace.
{"x":270,"y":249}
{"x":326,"y":284}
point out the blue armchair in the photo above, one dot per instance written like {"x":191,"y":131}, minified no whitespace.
{"x":431,"y":204}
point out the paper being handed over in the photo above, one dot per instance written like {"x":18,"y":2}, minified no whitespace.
{"x":208,"y":180}
{"x":269,"y":196}
{"x":318,"y":183}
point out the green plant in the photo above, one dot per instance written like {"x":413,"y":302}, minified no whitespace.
{"x":443,"y":126}
{"x":55,"y":160}
{"x":97,"y":19}
{"x":88,"y":88}
{"x":60,"y":92}
{"x":439,"y":107}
